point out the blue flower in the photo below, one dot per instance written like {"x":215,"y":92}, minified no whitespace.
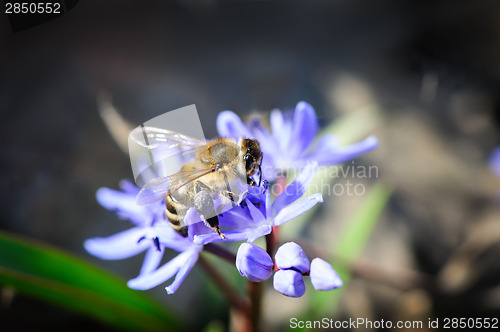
{"x":290,"y":145}
{"x":291,"y":256}
{"x":258,"y":216}
{"x":495,"y":161}
{"x":151,"y":233}
{"x":289,"y":283}
{"x":253,"y":262}
{"x":323,"y":276}
{"x":293,"y":264}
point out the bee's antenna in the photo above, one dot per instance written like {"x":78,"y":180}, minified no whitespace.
{"x":260,"y":169}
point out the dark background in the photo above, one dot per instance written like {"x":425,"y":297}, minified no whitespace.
{"x":432,"y":67}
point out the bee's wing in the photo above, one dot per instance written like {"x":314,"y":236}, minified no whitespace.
{"x":157,"y":153}
{"x":159,"y":188}
{"x":153,"y":138}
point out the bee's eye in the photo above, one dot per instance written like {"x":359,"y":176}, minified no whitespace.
{"x":248,"y":162}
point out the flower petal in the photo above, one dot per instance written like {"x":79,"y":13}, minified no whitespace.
{"x":183,"y":272}
{"x":129,"y":187}
{"x":259,"y":232}
{"x":151,"y":260}
{"x":170,"y":238}
{"x":297,"y":188}
{"x":291,"y":256}
{"x":277,"y":123}
{"x":326,"y":154}
{"x":262,"y":135}
{"x":160,"y":275}
{"x":281,"y":126}
{"x":118,"y":246}
{"x":231,"y":235}
{"x":305,"y":127}
{"x":253,"y":262}
{"x":230,"y":125}
{"x":323,"y":276}
{"x":236,"y":217}
{"x":124,"y":204}
{"x":289,"y":283}
{"x":495,"y":161}
{"x":296,"y":208}
{"x":255,"y":213}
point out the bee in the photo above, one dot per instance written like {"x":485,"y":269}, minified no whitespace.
{"x":210,"y":171}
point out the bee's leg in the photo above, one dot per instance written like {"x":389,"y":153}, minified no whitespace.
{"x":251,"y":181}
{"x":204,"y":205}
{"x":214,"y":222}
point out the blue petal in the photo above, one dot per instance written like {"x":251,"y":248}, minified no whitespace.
{"x":151,"y":260}
{"x":270,"y":149}
{"x":326,"y":145}
{"x":230,"y":125}
{"x":495,"y":161}
{"x":328,"y":154}
{"x":256,"y":214}
{"x":262,"y":135}
{"x":296,"y":208}
{"x":281,"y":126}
{"x":124,"y":204}
{"x":236,"y":217}
{"x":253,"y":262}
{"x":129,"y":187}
{"x":170,"y":238}
{"x":297,"y":188}
{"x":323,"y":276}
{"x":291,"y":256}
{"x":183,"y":272}
{"x":231,"y":235}
{"x":289,"y":283}
{"x":192,"y":217}
{"x":267,"y":196}
{"x":259,"y":232}
{"x":160,"y":275}
{"x":269,"y":168}
{"x":277,"y":123}
{"x":118,"y":246}
{"x":305,"y":128}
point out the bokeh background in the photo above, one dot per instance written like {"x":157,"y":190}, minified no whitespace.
{"x":423,"y":76}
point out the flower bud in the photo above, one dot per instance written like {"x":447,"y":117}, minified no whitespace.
{"x":291,"y":256}
{"x":289,"y":283}
{"x":253,"y":262}
{"x":323,"y":276}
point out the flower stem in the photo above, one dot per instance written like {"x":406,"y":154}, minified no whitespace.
{"x":273,"y":237}
{"x":221,"y":252}
{"x":234,"y":298}
{"x":255,"y":289}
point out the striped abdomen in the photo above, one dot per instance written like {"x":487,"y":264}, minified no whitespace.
{"x":173,"y":217}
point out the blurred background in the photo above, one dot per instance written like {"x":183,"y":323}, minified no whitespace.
{"x":423,"y":76}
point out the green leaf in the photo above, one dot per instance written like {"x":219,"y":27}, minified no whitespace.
{"x":50,"y":274}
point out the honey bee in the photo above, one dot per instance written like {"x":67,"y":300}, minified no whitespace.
{"x":211,"y":171}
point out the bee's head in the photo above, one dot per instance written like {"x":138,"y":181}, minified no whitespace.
{"x":252,"y":155}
